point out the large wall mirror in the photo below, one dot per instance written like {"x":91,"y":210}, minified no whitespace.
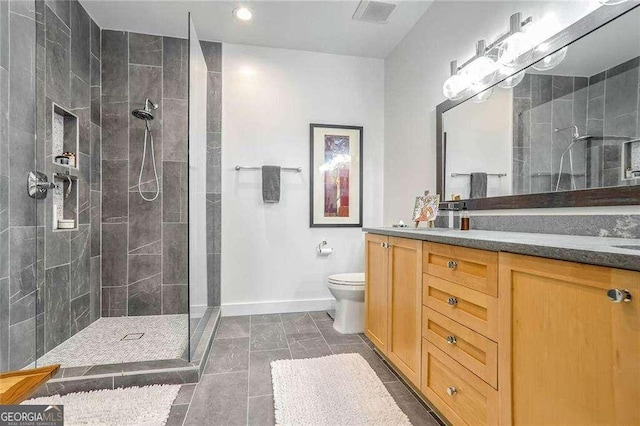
{"x":565,"y":136}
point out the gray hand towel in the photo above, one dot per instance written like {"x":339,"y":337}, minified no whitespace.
{"x":478,"y":185}
{"x":271,"y":184}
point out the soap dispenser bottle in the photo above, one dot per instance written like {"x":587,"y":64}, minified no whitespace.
{"x":464,"y":218}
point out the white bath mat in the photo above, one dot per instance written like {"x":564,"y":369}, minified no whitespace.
{"x":145,"y":406}
{"x":332,"y":390}
{"x":122,"y":339}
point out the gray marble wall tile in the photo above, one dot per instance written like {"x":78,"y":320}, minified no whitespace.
{"x":114,"y":301}
{"x":58,"y":47}
{"x":145,"y":49}
{"x":80,"y":41}
{"x":95,"y":71}
{"x":95,"y":39}
{"x":115,"y":130}
{"x":214,"y":103}
{"x":145,"y":266}
{"x":95,"y":293}
{"x":214,"y":162}
{"x":84,"y":189}
{"x":80,"y":313}
{"x":144,"y":222}
{"x":4,"y":324}
{"x":22,"y":210}
{"x":57,"y":246}
{"x":174,"y":253}
{"x":175,"y":130}
{"x":4,"y":122}
{"x":175,"y":58}
{"x":174,"y":299}
{"x":61,"y":8}
{"x":96,"y":220}
{"x":145,"y":296}
{"x":115,"y":203}
{"x":23,"y":308}
{"x":57,"y":306}
{"x":174,"y":198}
{"x":22,"y":246}
{"x":40,"y":19}
{"x":22,"y":344}
{"x":4,"y":35}
{"x":96,"y":102}
{"x":213,"y":279}
{"x":212,"y":52}
{"x":114,"y":255}
{"x":96,"y":158}
{"x":115,"y":66}
{"x":80,"y":262}
{"x":22,"y":73}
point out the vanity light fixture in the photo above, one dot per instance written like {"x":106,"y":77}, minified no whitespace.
{"x":482,"y":68}
{"x":611,"y":2}
{"x":513,"y":80}
{"x":549,"y":61}
{"x":483,"y":96}
{"x":456,"y":86}
{"x":242,"y":13}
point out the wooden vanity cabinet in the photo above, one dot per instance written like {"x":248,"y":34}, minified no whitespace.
{"x":506,"y":339}
{"x":393,"y":290}
{"x":567,"y":355}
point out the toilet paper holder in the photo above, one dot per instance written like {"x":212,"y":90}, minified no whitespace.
{"x":323,"y":250}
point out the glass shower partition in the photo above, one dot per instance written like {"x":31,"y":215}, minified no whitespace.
{"x":198,"y":303}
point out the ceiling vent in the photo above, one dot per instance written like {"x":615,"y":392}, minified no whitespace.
{"x":374,"y":11}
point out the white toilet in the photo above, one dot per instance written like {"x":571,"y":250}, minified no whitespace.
{"x":348,"y":289}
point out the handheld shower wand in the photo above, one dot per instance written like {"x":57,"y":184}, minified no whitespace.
{"x":146,"y":114}
{"x":575,"y":136}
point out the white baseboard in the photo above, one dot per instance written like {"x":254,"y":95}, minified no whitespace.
{"x":275,"y":307}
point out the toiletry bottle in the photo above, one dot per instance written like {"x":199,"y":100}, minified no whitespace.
{"x":464,"y":218}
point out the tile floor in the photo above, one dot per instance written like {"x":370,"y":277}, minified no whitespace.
{"x":236,"y":386}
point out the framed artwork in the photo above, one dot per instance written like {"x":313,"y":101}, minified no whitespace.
{"x":336,"y":176}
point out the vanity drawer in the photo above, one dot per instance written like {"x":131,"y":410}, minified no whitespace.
{"x":457,"y":393}
{"x":470,"y":308}
{"x":476,"y":269}
{"x":471,"y":349}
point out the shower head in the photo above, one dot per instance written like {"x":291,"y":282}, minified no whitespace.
{"x":145,"y":114}
{"x":575,"y":134}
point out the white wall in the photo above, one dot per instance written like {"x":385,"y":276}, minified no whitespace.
{"x":270,"y":96}
{"x":414,"y":73}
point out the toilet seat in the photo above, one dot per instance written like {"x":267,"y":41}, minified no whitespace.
{"x":353,"y":279}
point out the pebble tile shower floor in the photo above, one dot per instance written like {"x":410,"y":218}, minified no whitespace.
{"x":122,"y":339}
{"x":236,"y":385}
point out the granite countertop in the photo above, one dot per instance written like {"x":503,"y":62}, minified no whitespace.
{"x":591,"y":250}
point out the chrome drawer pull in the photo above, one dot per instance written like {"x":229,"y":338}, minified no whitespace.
{"x":452,"y":391}
{"x":452,"y":340}
{"x":452,"y":301}
{"x":452,"y":264}
{"x":617,"y":295}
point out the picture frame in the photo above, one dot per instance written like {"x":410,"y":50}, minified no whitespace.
{"x":335,"y":195}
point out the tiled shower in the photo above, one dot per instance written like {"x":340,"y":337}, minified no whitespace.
{"x":124,"y":256}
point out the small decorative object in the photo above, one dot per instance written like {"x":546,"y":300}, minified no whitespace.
{"x":400,"y":224}
{"x":336,"y":176}
{"x":72,"y":158}
{"x":62,"y":159}
{"x":66,"y":223}
{"x":426,"y":208}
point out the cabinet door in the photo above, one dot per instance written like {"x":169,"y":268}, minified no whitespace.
{"x":405,"y":306}
{"x":375,"y":296}
{"x":569,"y":354}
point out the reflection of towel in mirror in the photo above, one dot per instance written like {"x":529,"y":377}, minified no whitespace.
{"x":271,"y":184}
{"x":478,"y":185}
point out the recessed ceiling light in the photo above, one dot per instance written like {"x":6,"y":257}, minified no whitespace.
{"x":242,"y":13}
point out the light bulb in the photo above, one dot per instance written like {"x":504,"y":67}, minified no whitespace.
{"x":483,"y":96}
{"x":480,"y":72}
{"x":455,"y":87}
{"x":515,"y":50}
{"x":511,"y":81}
{"x":242,"y":13}
{"x":550,"y":61}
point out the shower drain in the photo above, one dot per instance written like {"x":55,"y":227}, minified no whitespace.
{"x":133,"y":336}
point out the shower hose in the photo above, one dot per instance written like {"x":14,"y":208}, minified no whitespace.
{"x":147,"y":132}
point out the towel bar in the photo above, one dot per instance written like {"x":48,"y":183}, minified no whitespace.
{"x":469,"y":174}
{"x":289,"y":169}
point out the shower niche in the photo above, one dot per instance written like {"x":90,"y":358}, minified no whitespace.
{"x":65,"y":168}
